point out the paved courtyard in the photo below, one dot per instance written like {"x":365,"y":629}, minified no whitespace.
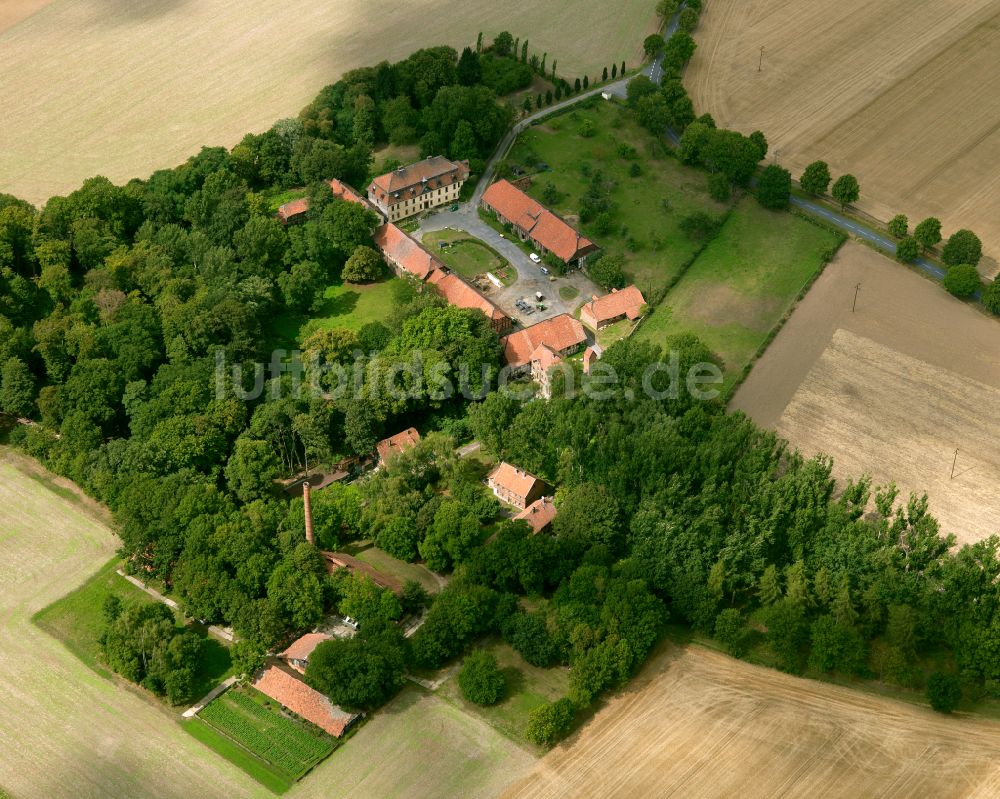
{"x":529,"y":275}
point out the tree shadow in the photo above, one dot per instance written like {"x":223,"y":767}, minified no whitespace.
{"x":124,"y":11}
{"x":514,"y":682}
{"x":340,"y":305}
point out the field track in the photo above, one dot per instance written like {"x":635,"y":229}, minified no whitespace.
{"x":895,"y":92}
{"x":697,"y":724}
{"x":143,"y":84}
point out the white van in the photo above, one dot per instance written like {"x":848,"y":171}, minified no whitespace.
{"x":534,"y":257}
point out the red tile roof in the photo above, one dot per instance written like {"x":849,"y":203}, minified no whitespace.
{"x":626,"y":302}
{"x":517,"y":481}
{"x":293,"y":209}
{"x":539,"y":514}
{"x":303,"y":647}
{"x":545,"y":356}
{"x":459,"y":293}
{"x":304,"y":701}
{"x":560,"y":333}
{"x":405,"y":252}
{"x":537,"y":221}
{"x":410,"y":181}
{"x":400,"y":442}
{"x":344,"y":192}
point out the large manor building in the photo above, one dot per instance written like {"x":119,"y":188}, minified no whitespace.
{"x":411,"y":189}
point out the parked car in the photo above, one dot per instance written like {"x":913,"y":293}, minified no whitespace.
{"x":535,"y":257}
{"x":545,"y":271}
{"x":352,"y":623}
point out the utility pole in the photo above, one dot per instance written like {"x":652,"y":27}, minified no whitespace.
{"x":953,"y":463}
{"x":760,"y":63}
{"x":854,"y":305}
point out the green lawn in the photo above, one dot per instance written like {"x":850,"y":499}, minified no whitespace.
{"x":649,"y":206}
{"x":468,"y":256}
{"x":399,"y":569}
{"x":276,"y":199}
{"x":743,"y":283}
{"x":527,"y":687}
{"x":288,"y":747}
{"x":77,"y":620}
{"x":348,"y":305}
{"x":612,"y":333}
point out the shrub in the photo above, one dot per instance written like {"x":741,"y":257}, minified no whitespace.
{"x":480,"y":679}
{"x":634,"y":170}
{"x":731,"y":631}
{"x":549,"y":724}
{"x":943,"y":692}
{"x":528,"y":634}
{"x":699,"y":226}
{"x":962,"y":280}
{"x":719,"y":187}
{"x":608,"y":272}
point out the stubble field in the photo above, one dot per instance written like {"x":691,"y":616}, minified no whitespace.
{"x":697,"y":724}
{"x":143,"y":84}
{"x":896,"y":92}
{"x":891,"y":389}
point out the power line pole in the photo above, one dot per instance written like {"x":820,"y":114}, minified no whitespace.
{"x":760,"y":63}
{"x":953,"y":463}
{"x":854,"y":305}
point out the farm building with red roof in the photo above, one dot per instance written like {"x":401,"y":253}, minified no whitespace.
{"x":304,"y":701}
{"x":561,"y":334}
{"x":534,"y":222}
{"x":393,"y":445}
{"x":297,"y":654}
{"x":404,"y":254}
{"x":539,"y":514}
{"x":626,"y":303}
{"x":514,"y":486}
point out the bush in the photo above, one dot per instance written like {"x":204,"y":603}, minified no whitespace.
{"x":731,"y":631}
{"x":549,"y":724}
{"x":699,"y":226}
{"x":943,"y":692}
{"x":962,"y":281}
{"x":719,"y":187}
{"x":480,"y":679}
{"x":608,"y":272}
{"x":634,"y":170}
{"x":528,"y":634}
{"x":364,"y":266}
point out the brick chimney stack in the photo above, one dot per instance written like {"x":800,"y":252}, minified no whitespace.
{"x":308,"y":509}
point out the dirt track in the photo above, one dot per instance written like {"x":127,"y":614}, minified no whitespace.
{"x":912,"y":375}
{"x":895,"y":92}
{"x":697,"y":724}
{"x":64,"y":730}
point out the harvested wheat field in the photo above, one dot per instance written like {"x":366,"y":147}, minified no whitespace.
{"x":892,"y":389}
{"x":143,"y":84}
{"x":65,"y":731}
{"x":14,"y":11}
{"x":896,"y":92}
{"x":697,"y":724}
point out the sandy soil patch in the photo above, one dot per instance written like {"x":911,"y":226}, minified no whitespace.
{"x":895,"y":92}
{"x":698,"y":724}
{"x":912,"y":375}
{"x":123,"y":87}
{"x":64,"y":730}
